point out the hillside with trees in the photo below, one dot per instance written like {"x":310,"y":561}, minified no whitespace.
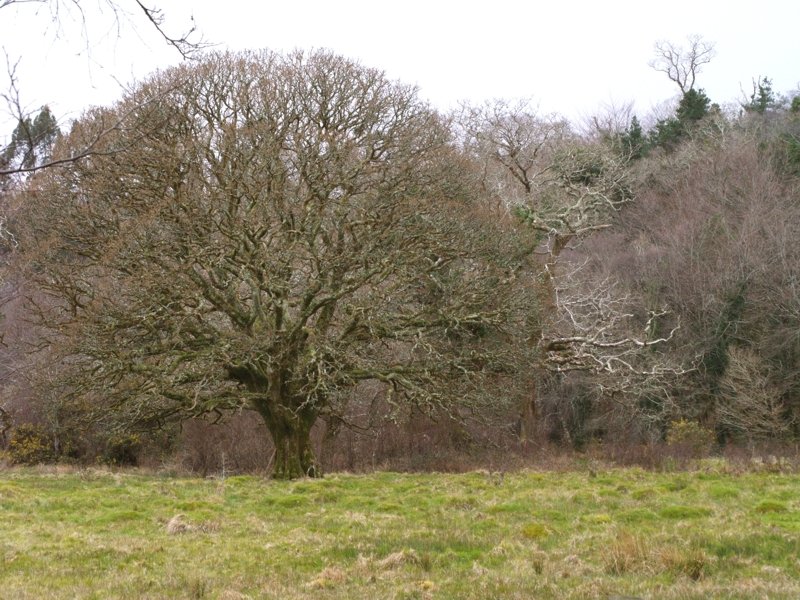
{"x":292,"y":262}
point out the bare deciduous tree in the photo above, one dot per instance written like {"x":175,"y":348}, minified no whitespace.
{"x":680,"y":64}
{"x":279,"y":229}
{"x":750,"y":404}
{"x":594,"y":331}
{"x":516,"y":138}
{"x":612,"y":120}
{"x":562,"y":189}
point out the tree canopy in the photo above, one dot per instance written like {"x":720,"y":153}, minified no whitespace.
{"x":277,"y":230}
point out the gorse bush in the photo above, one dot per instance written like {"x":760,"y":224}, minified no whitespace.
{"x":691,"y":437}
{"x":30,"y":445}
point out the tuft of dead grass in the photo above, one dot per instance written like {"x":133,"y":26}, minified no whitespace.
{"x":631,"y":554}
{"x":398,"y":559}
{"x":689,"y":562}
{"x":626,"y":553}
{"x":178,"y":525}
{"x":328,"y":578}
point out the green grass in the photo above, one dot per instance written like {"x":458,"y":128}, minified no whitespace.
{"x":94,"y":534}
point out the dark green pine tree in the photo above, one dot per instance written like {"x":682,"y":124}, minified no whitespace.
{"x":762,"y":98}
{"x":693,"y":106}
{"x":633,"y":140}
{"x":31,"y":142}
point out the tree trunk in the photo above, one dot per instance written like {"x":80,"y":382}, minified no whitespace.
{"x":289,"y":419}
{"x":294,"y":456}
{"x":527,"y":416}
{"x":546,"y":292}
{"x":291,"y":435}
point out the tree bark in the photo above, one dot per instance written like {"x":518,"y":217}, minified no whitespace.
{"x":289,"y":419}
{"x":291,"y":434}
{"x":294,"y":456}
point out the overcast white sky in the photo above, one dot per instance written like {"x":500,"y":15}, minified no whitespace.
{"x":569,"y":56}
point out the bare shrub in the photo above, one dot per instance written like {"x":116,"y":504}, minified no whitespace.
{"x":749,"y":403}
{"x":237,"y":445}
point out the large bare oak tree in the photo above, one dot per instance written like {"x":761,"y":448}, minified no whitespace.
{"x":268,"y":233}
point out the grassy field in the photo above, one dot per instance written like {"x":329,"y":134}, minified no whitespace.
{"x":699,"y":534}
